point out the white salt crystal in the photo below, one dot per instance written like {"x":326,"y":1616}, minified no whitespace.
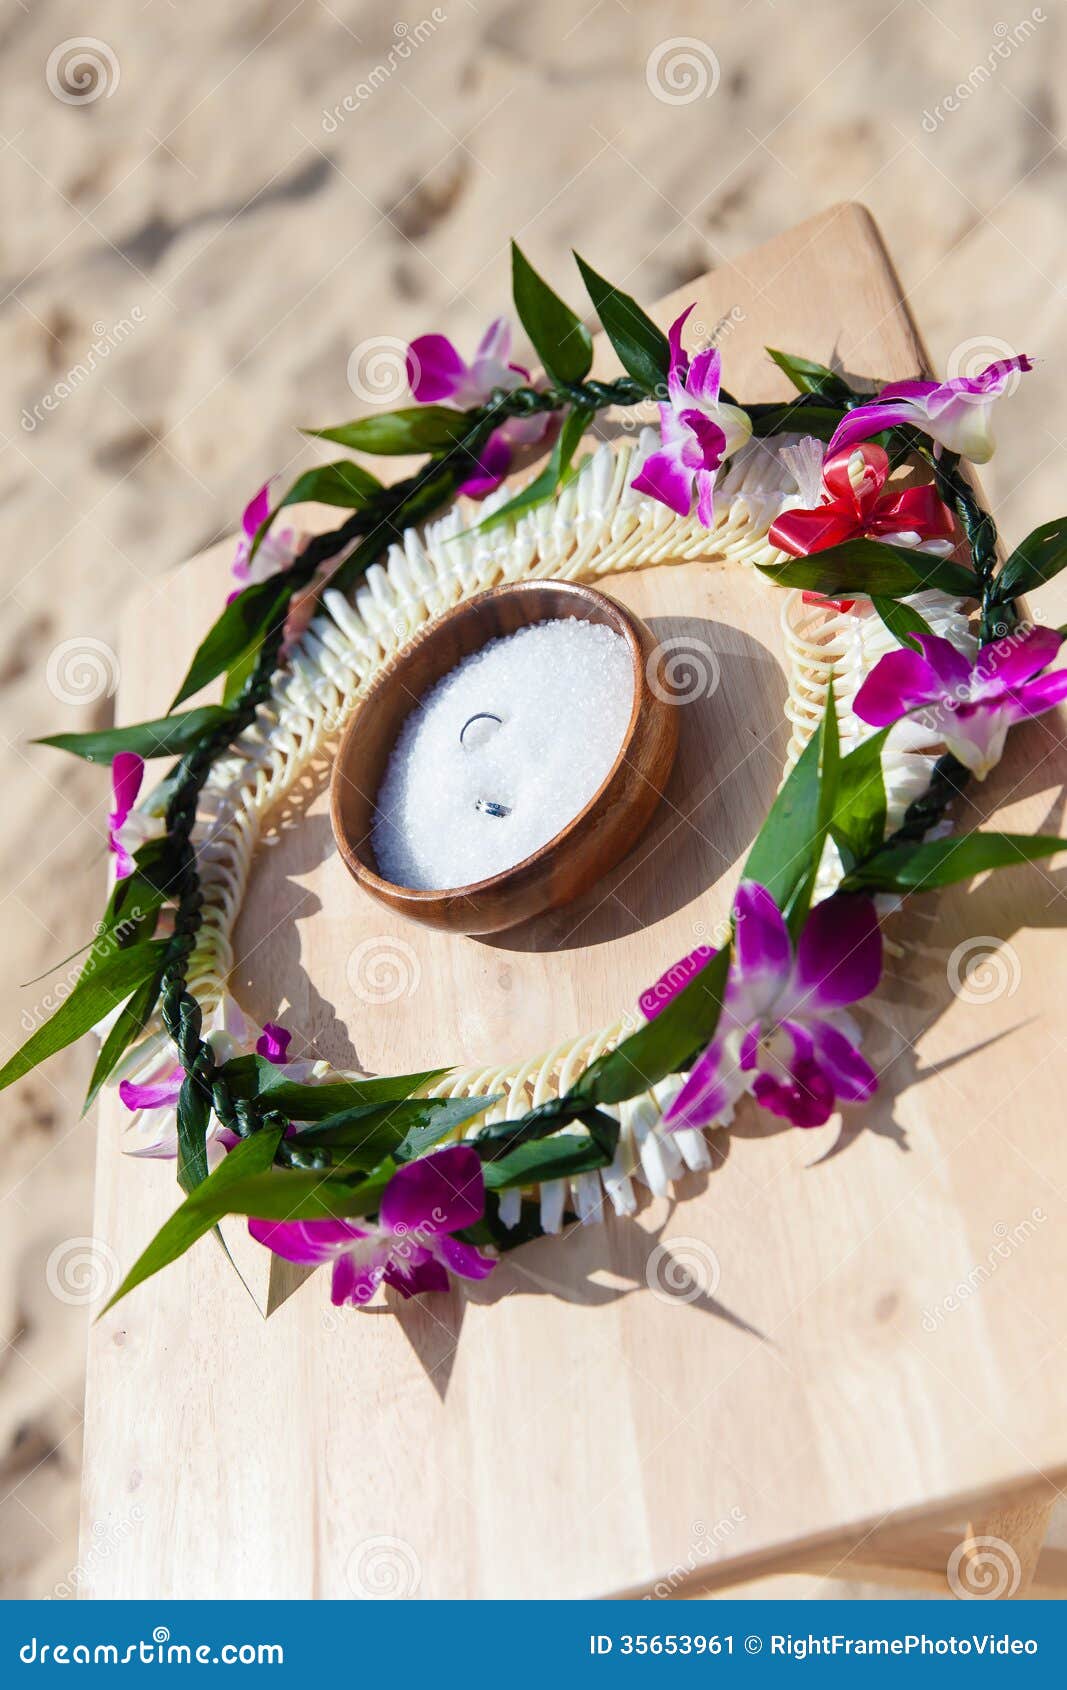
{"x":563,"y":691}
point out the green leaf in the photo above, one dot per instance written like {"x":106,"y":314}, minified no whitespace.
{"x":422,"y":428}
{"x":496,"y":1141}
{"x":560,"y":338}
{"x":820,"y":420}
{"x":859,"y":817}
{"x":808,"y":377}
{"x":544,"y":1159}
{"x":642,"y":348}
{"x":941,"y":862}
{"x":132,"y":909}
{"x":254,"y":1076}
{"x":202,"y":1210}
{"x":131,"y":913}
{"x":168,"y":736}
{"x":796,"y":908}
{"x":344,"y":483}
{"x":665,"y":1045}
{"x":154,"y":866}
{"x":865,"y":568}
{"x":284,"y":1196}
{"x":194,"y":1118}
{"x":786,"y":852}
{"x":243,"y":623}
{"x":128,"y":1026}
{"x":902,"y":620}
{"x":829,"y":765}
{"x":1036,"y":560}
{"x":402,"y":1129}
{"x":544,"y":486}
{"x":238,"y":673}
{"x":456,"y":1112}
{"x":100,"y":988}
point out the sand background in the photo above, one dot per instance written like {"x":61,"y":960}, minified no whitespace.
{"x":194,"y":247}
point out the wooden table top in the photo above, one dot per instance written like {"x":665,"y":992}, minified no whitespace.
{"x":885,"y":1335}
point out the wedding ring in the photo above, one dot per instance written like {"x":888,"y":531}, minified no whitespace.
{"x":481,"y":716}
{"x":489,"y":807}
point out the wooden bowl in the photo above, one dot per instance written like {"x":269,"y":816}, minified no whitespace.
{"x":590,"y":845}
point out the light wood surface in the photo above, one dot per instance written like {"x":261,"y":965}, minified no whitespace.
{"x":880,"y":1337}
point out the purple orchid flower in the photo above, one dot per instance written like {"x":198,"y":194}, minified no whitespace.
{"x":957,"y":414}
{"x":696,"y":432}
{"x":410,"y":1247}
{"x":273,"y":1043}
{"x":127,"y":773}
{"x":784,"y":1032}
{"x":154,"y":1100}
{"x":438,"y":374}
{"x":276,"y":550}
{"x":970,"y":707}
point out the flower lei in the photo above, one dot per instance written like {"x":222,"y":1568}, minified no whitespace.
{"x":358,"y":1172}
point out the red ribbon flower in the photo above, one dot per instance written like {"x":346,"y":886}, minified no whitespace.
{"x":853,"y":506}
